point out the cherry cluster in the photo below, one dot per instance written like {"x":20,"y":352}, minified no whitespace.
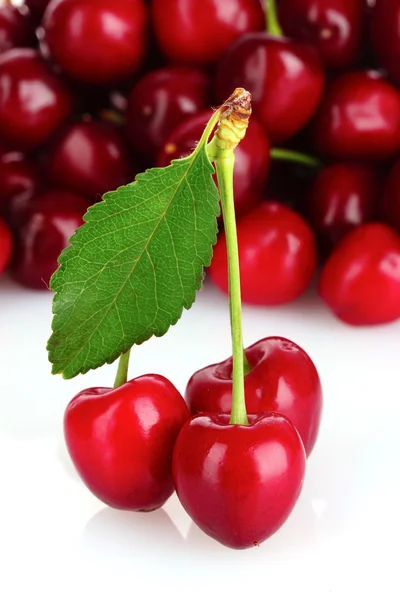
{"x":92,"y":92}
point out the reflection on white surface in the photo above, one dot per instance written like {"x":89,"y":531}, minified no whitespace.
{"x":57,"y":541}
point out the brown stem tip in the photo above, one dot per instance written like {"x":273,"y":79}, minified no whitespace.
{"x":238,"y":106}
{"x":235,"y":114}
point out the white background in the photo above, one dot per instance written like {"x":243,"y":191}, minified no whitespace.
{"x":342,"y":540}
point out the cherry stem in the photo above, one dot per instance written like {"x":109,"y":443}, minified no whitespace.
{"x":122,"y":371}
{"x":246,"y":365}
{"x":224,"y":164}
{"x":296,"y":157}
{"x":273,"y":27}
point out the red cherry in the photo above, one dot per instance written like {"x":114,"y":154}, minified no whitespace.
{"x":21,"y":208}
{"x":90,"y":158}
{"x":385,"y":33}
{"x":121,"y":440}
{"x":361,"y":280}
{"x":282,"y":379}
{"x":96,"y":41}
{"x":277,"y":254}
{"x":16,"y":29}
{"x":19,"y":178}
{"x":390,"y":208}
{"x":159,"y":102}
{"x":343,"y":196}
{"x":359,"y":118}
{"x":200,"y":32}
{"x":33,"y":100}
{"x":251,"y":157}
{"x":39,"y":243}
{"x":285,"y":79}
{"x":334,"y":27}
{"x":6,"y":244}
{"x":238,"y":483}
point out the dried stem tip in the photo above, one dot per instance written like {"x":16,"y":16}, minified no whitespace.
{"x":235,"y":114}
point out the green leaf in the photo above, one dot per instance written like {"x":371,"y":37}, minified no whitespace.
{"x":134,"y":265}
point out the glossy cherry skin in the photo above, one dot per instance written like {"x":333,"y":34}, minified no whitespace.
{"x":360,"y":282}
{"x":113,"y":50}
{"x":90,"y":158}
{"x":285,"y":79}
{"x":390,"y":207}
{"x":252,"y":157}
{"x":239,"y":483}
{"x":359,"y":118}
{"x":385,"y":34}
{"x":19,"y":178}
{"x":342,"y":197}
{"x":277,"y":254}
{"x":6,"y":244}
{"x":282,"y":379}
{"x":160,"y":101}
{"x":39,"y":243}
{"x":34,"y":102}
{"x":16,"y":29}
{"x":121,"y":440}
{"x":21,"y":208}
{"x":334,"y":27}
{"x":200,"y":32}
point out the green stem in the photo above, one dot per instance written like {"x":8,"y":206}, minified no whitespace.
{"x":224,"y":165}
{"x":273,"y":27}
{"x":246,"y":365}
{"x":294,"y":156}
{"x":122,"y":371}
{"x":208,"y":130}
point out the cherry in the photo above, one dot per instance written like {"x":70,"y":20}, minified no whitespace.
{"x":19,"y":178}
{"x":159,"y":102}
{"x":282,"y":379}
{"x":277,"y":254}
{"x":113,"y":50}
{"x":251,"y":162}
{"x":90,"y":158}
{"x":385,"y":34}
{"x":390,"y":207}
{"x":239,"y":483}
{"x":359,"y":118}
{"x":16,"y":29}
{"x":361,"y":280}
{"x":285,"y":79}
{"x":39,"y":243}
{"x":6,"y":244}
{"x":343,"y":196}
{"x":21,"y":207}
{"x":33,"y":100}
{"x":121,"y":440}
{"x":200,"y":32}
{"x":334,"y":27}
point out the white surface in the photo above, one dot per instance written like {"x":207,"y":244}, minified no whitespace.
{"x":342,"y":541}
